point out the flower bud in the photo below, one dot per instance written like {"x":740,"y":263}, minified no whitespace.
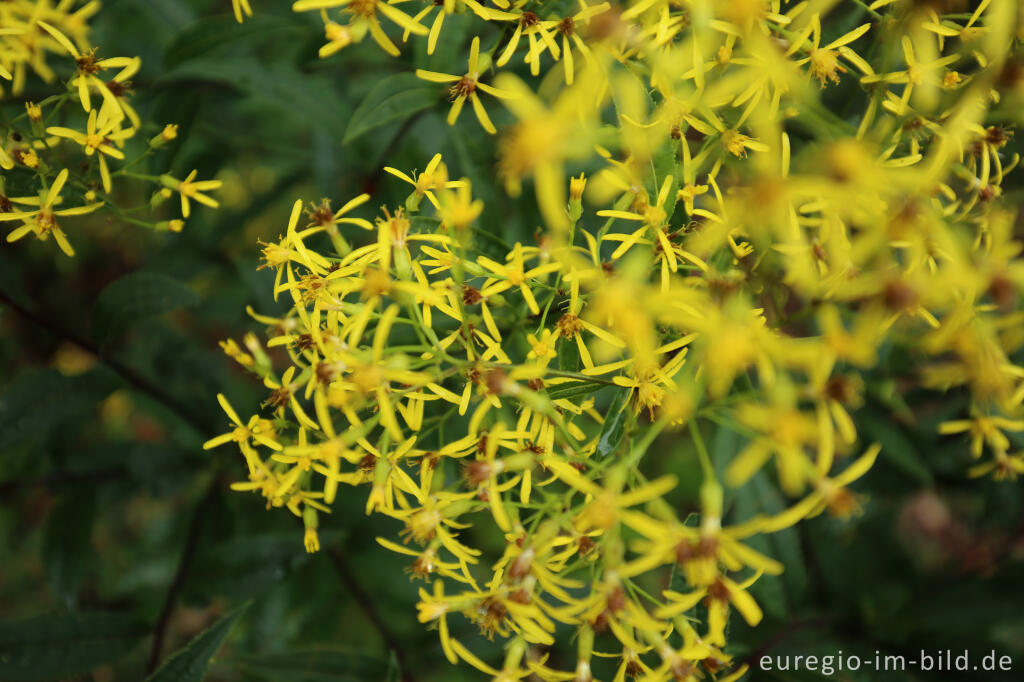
{"x":34,"y":111}
{"x":169,"y":132}
{"x":576,"y":187}
{"x":170,"y":226}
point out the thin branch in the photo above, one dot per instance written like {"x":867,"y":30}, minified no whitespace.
{"x":352,"y":584}
{"x":195,"y":525}
{"x":130,"y":376}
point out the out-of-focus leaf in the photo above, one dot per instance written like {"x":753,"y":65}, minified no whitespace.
{"x":244,"y":566}
{"x":159,"y":469}
{"x":306,"y":99}
{"x":665,"y":165}
{"x":137,"y":296}
{"x":65,"y":645}
{"x":395,"y":97}
{"x":896,"y":447}
{"x":68,"y":543}
{"x":614,"y":424}
{"x":167,"y":15}
{"x":213,"y":33}
{"x":190,"y":664}
{"x":312,"y":665}
{"x":394,"y":670}
{"x":784,"y":545}
{"x":777,"y":594}
{"x":35,"y":403}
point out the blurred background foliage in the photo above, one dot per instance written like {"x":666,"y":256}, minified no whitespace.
{"x":121,"y":543}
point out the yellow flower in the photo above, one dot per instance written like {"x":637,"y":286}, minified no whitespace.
{"x":242,"y":9}
{"x":457,"y":208}
{"x":544,"y":138}
{"x":189,"y":188}
{"x":568,"y":27}
{"x":465,"y":87}
{"x":364,"y":18}
{"x":922,"y":78}
{"x":514,"y":274}
{"x":434,"y":177}
{"x":824,"y":61}
{"x":89,"y":66}
{"x":445,"y":8}
{"x":608,"y":503}
{"x":539,"y":36}
{"x":43,"y":220}
{"x":98,"y":138}
{"x":542,"y":348}
{"x":1003,"y":467}
{"x":786,"y":431}
{"x":984,"y":429}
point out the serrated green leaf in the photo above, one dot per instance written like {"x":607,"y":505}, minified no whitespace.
{"x":190,"y":664}
{"x":67,"y":544}
{"x":136,"y":296}
{"x":312,"y":665}
{"x":614,"y":426}
{"x":395,"y":97}
{"x":64,"y":645}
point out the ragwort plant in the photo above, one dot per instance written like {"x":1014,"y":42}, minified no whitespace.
{"x":82,"y":160}
{"x":744,"y":255}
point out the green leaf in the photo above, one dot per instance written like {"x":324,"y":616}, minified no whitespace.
{"x":664,"y":165}
{"x":311,"y":665}
{"x":784,"y":545}
{"x":189,"y":664}
{"x":769,"y":590}
{"x":214,"y":33}
{"x":165,"y":15}
{"x":394,"y":670}
{"x":396,"y":97}
{"x":614,"y":426}
{"x":68,"y":544}
{"x":308,"y":101}
{"x":137,"y":296}
{"x":569,"y":356}
{"x":64,"y":645}
{"x":897,"y":449}
{"x":574,"y":390}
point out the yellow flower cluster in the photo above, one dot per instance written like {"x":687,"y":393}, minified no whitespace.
{"x":752,"y":257}
{"x":31,"y":32}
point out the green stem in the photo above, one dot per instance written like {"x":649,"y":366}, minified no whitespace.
{"x":702,"y":452}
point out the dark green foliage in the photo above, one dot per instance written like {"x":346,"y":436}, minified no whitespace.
{"x":110,"y":510}
{"x":63,"y":645}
